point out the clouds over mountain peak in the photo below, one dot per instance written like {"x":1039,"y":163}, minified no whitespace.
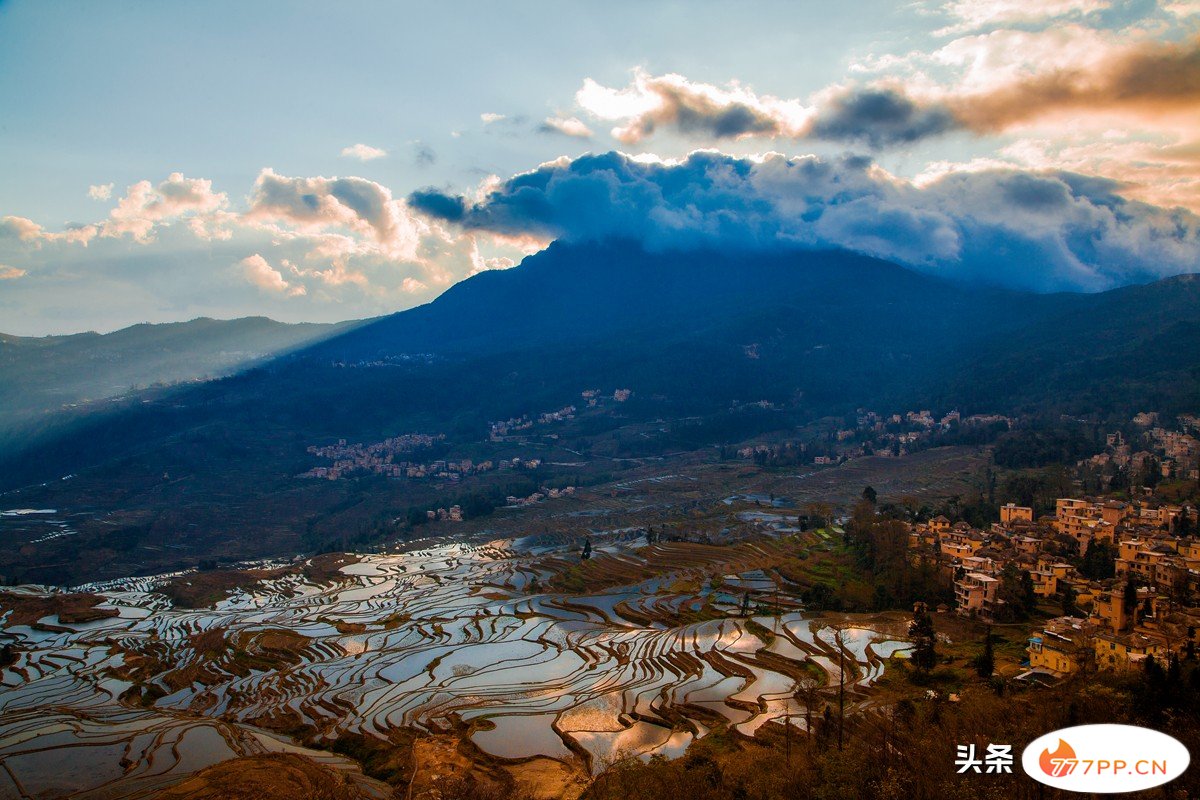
{"x":1043,"y":231}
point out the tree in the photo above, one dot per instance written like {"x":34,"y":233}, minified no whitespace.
{"x":1028,"y":595}
{"x":869,"y":494}
{"x":1015,"y":589}
{"x":924,"y":639}
{"x":1099,"y":561}
{"x":587,"y":550}
{"x":1129,"y":598}
{"x":985,"y":662}
{"x":1068,"y":601}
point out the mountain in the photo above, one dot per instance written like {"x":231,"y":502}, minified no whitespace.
{"x":716,"y":348}
{"x":40,"y":375}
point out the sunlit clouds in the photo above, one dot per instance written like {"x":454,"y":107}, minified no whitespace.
{"x":567,"y":126}
{"x":697,"y":109}
{"x":971,"y":15}
{"x":1051,"y":145}
{"x":363,"y":152}
{"x":259,"y":272}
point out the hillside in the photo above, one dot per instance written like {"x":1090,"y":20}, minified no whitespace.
{"x":716,"y":349}
{"x":40,"y":375}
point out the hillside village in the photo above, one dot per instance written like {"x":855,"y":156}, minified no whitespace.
{"x":387,"y":458}
{"x":1125,"y":573}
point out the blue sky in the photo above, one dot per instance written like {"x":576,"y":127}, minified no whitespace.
{"x":192,"y":102}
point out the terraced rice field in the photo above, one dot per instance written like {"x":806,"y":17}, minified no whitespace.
{"x":447,"y":639}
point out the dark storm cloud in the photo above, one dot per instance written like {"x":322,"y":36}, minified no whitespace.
{"x":438,"y":204}
{"x":880,"y":117}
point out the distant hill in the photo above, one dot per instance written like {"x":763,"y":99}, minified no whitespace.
{"x":826,"y":331}
{"x":40,"y":375}
{"x":700,"y":337}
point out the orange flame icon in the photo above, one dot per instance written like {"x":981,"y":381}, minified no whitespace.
{"x":1060,"y":762}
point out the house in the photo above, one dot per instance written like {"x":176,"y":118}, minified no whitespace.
{"x":1061,"y":646}
{"x":1108,"y":607}
{"x":1120,"y":651}
{"x":976,"y":594}
{"x":1011,"y":513}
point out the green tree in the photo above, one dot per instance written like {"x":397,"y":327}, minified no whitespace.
{"x":924,"y":638}
{"x":1013,"y":591}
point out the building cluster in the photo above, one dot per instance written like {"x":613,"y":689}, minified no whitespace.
{"x":1139,"y":603}
{"x":388,"y":458}
{"x":451,"y":514}
{"x":874,"y":434}
{"x":595,"y":397}
{"x":380,"y":458}
{"x":898,"y":435}
{"x":401,"y":359}
{"x":544,"y":494}
{"x":1174,"y":453}
{"x":497,"y":431}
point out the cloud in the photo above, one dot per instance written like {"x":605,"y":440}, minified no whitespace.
{"x":489,"y":117}
{"x":258,"y":271}
{"x":1183,"y":8}
{"x":694,"y":109}
{"x":8,"y":273}
{"x":424,"y":155}
{"x":363,"y":152}
{"x":567,"y":126}
{"x":1033,"y":230}
{"x":976,"y":14}
{"x":143,"y":209}
{"x":1009,"y":78}
{"x":26,"y":230}
{"x":20,"y":228}
{"x":1159,"y":170}
{"x":101,"y":191}
{"x":1151,"y":78}
{"x":320,"y":205}
{"x":146,"y":206}
{"x":879,"y":117}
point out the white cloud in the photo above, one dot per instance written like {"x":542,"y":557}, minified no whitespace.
{"x":568,"y":126}
{"x":258,"y":271}
{"x":8,"y":273}
{"x":378,"y":223}
{"x":26,"y":230}
{"x":1183,"y":8}
{"x":146,"y":206}
{"x":697,"y":109}
{"x":101,"y":191}
{"x":976,"y":14}
{"x":363,"y":152}
{"x":1032,"y":230}
{"x":489,"y":117}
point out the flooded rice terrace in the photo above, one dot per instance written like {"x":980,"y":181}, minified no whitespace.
{"x":452,"y":638}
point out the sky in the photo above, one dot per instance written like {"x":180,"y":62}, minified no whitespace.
{"x":329,"y":161}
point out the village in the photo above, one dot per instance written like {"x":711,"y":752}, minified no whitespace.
{"x":1124,"y":573}
{"x":387,"y":458}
